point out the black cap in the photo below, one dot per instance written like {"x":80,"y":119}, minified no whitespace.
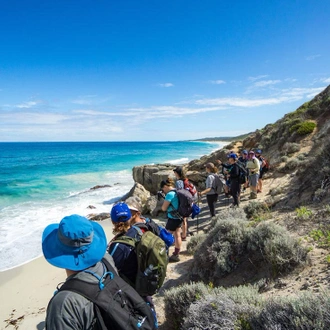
{"x":178,"y":170}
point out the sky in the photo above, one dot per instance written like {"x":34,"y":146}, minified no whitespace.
{"x":156,"y":70}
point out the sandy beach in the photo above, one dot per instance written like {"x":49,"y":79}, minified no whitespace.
{"x":26,"y":290}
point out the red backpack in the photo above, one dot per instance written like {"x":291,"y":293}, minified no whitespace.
{"x":190,"y":187}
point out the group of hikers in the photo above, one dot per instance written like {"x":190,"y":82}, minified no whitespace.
{"x":239,"y":173}
{"x":110,"y":285}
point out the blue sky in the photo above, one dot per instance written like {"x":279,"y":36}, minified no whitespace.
{"x":157,"y":70}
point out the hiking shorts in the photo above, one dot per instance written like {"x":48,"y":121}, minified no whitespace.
{"x":253,"y":179}
{"x":173,"y":224}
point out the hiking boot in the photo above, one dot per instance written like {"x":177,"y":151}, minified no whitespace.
{"x":174,"y":258}
{"x":253,"y":195}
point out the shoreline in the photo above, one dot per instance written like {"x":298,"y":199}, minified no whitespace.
{"x":27,"y":289}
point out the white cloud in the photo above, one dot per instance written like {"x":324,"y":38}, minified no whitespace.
{"x":32,"y":118}
{"x":28,"y":105}
{"x":263,"y":83}
{"x":217,"y":82}
{"x":166,"y":85}
{"x":84,"y":100}
{"x":286,"y":95}
{"x":258,"y":77}
{"x":312,"y":57}
{"x":325,"y":80}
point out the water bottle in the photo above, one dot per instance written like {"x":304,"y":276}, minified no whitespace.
{"x":148,"y":270}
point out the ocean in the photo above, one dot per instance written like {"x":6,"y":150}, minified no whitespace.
{"x":42,"y":182}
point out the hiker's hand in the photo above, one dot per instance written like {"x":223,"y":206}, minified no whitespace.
{"x":219,"y":161}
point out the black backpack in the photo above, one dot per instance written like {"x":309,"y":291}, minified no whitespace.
{"x":117,"y":305}
{"x":185,"y":204}
{"x":242,"y":173}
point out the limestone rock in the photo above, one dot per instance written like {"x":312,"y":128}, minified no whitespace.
{"x":150,"y":176}
{"x":139,"y":191}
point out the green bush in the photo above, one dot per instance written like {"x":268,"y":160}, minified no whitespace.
{"x":278,"y":248}
{"x":292,"y":164}
{"x":307,"y":311}
{"x":276,"y":191}
{"x":178,"y":299}
{"x":303,"y":213}
{"x":255,"y":209}
{"x":194,"y":243}
{"x":301,"y":157}
{"x":233,"y":240}
{"x":224,"y":243}
{"x":284,"y":159}
{"x":290,"y":147}
{"x":303,"y":128}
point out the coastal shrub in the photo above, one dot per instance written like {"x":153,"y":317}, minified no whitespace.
{"x":292,"y":164}
{"x":278,"y":248}
{"x":213,"y":312}
{"x":301,"y":157}
{"x":194,"y":243}
{"x":290,"y":148}
{"x":303,"y":128}
{"x":284,"y":159}
{"x":300,"y":111}
{"x":178,"y":299}
{"x":255,"y":209}
{"x":319,"y":194}
{"x":321,"y":236}
{"x":240,"y":294}
{"x":303,"y":213}
{"x":307,"y":311}
{"x":230,"y":308}
{"x":276,"y":191}
{"x":232,"y":241}
{"x":218,"y":253}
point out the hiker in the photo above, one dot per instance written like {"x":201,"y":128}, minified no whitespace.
{"x":180,"y":184}
{"x":174,"y":220}
{"x":211,"y":195}
{"x":127,"y":221}
{"x":262,"y":162}
{"x":78,"y":245}
{"x":253,"y":167}
{"x":225,"y":170}
{"x":234,"y":176}
{"x":242,"y":160}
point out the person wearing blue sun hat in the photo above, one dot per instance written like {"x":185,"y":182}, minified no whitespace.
{"x":77,"y":245}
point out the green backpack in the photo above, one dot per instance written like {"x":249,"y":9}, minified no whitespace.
{"x":152,"y":261}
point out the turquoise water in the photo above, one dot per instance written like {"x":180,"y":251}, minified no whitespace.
{"x":40,"y":183}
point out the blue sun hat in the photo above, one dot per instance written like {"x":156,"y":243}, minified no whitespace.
{"x":75,"y":243}
{"x":120,"y":212}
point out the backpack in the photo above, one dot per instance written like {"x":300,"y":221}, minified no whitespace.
{"x":151,"y":252}
{"x":190,"y":187}
{"x":267,"y":166}
{"x":160,"y":231}
{"x":217,"y":184}
{"x":116,"y":304}
{"x":242,"y":174}
{"x":185,"y":204}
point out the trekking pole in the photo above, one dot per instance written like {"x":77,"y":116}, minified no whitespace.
{"x":198,"y":214}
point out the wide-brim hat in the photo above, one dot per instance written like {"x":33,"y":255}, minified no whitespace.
{"x":75,"y":243}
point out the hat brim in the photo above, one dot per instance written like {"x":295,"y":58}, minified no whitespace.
{"x":132,"y":208}
{"x":57,"y":254}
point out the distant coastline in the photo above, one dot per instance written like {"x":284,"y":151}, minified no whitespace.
{"x":224,"y":138}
